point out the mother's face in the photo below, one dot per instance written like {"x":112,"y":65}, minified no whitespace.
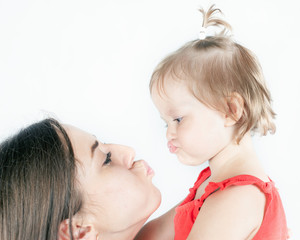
{"x":118,"y":192}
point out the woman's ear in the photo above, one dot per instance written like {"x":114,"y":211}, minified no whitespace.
{"x":80,"y":231}
{"x":235,"y":104}
{"x":63,"y":230}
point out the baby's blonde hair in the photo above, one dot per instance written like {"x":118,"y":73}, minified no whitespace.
{"x":214,"y":69}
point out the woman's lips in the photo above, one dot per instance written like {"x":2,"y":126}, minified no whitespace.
{"x":150,"y":171}
{"x":171,"y":147}
{"x":145,"y":166}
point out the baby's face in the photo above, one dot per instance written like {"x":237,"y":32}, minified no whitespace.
{"x":195,"y":132}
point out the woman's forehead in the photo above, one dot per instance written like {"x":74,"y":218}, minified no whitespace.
{"x":84,"y":142}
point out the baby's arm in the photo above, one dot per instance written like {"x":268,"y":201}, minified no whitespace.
{"x":233,"y":214}
{"x":161,"y":228}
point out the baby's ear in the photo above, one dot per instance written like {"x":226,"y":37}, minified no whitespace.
{"x":235,"y":107}
{"x":80,"y":231}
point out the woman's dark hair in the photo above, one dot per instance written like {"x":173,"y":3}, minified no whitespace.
{"x":37,"y":182}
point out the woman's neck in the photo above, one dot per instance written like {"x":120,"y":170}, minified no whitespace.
{"x":126,"y":234}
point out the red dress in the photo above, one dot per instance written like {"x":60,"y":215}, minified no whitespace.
{"x":273,"y":226}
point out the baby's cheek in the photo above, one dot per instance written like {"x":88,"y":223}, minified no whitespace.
{"x":188,"y":134}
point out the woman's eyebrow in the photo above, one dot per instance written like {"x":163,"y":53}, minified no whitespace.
{"x":93,"y":147}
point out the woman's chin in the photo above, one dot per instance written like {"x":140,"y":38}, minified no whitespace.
{"x":155,"y":203}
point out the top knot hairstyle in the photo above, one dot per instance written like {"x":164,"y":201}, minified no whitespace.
{"x":214,"y":69}
{"x":210,"y":20}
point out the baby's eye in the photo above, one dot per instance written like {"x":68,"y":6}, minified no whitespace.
{"x":108,"y":159}
{"x":178,"y":119}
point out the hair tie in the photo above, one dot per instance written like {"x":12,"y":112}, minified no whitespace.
{"x":202,"y":33}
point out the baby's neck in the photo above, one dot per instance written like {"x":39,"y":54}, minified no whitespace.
{"x":234,"y":159}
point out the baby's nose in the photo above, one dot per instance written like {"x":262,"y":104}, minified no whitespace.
{"x":170,"y":134}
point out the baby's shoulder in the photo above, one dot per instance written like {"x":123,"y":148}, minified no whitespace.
{"x":239,"y":191}
{"x":239,"y":206}
{"x":246,"y":195}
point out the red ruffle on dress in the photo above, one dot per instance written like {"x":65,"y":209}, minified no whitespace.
{"x":273,"y":226}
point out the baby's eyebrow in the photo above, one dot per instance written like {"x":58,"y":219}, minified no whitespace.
{"x":173,"y":113}
{"x":93,"y":147}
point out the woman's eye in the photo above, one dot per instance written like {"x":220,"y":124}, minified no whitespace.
{"x":108,"y":159}
{"x":178,"y":119}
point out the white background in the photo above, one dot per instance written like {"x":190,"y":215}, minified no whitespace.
{"x":88,"y":63}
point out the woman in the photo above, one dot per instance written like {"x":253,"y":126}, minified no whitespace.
{"x":59,"y":182}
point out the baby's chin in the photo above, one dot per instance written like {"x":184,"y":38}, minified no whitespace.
{"x":190,"y":161}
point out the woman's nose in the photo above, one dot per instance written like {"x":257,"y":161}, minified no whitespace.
{"x":123,"y":155}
